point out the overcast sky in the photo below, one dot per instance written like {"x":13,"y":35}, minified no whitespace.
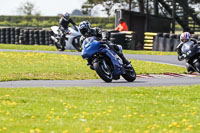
{"x":46,"y":7}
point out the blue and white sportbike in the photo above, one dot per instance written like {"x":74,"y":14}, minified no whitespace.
{"x":191,"y":54}
{"x":107,"y":64}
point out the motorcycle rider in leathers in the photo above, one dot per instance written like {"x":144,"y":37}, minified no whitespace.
{"x":185,"y":37}
{"x":87,"y":31}
{"x":64,"y":22}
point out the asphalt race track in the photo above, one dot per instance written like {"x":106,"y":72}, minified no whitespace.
{"x":140,"y":81}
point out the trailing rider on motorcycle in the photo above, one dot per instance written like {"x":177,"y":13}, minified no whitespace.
{"x":185,"y":37}
{"x":64,"y":22}
{"x":87,"y":31}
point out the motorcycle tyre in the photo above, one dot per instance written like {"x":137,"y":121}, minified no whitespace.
{"x":77,"y":46}
{"x":60,"y":45}
{"x":197,"y":66}
{"x":130,"y":74}
{"x":98,"y":68}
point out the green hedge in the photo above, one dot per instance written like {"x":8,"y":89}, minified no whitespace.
{"x":47,"y":21}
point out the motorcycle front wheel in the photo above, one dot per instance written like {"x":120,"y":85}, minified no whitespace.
{"x":130,"y":74}
{"x":60,"y":45}
{"x":197,"y":66}
{"x":103,"y":70}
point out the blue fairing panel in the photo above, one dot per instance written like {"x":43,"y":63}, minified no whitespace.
{"x":90,"y":48}
{"x":116,"y":61}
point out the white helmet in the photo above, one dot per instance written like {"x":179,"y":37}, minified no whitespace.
{"x":185,"y":36}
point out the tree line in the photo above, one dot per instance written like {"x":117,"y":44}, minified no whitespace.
{"x":139,"y":5}
{"x":29,"y":8}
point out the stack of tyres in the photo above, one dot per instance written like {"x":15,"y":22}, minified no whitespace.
{"x":156,"y":41}
{"x":162,"y":42}
{"x":176,"y":42}
{"x":17,"y":34}
{"x":7,"y":36}
{"x":169,"y":42}
{"x":36,"y":36}
{"x":26,"y":37}
{"x":0,"y":35}
{"x":3,"y":34}
{"x":31,"y":37}
{"x":21,"y":36}
{"x":41,"y":37}
{"x":47,"y":34}
{"x":119,"y":38}
{"x":130,"y":41}
{"x":12,"y":35}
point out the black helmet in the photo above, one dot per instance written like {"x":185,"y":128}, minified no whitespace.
{"x":85,"y":28}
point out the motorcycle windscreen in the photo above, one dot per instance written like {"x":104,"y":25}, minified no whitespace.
{"x":90,"y":47}
{"x":55,"y":29}
{"x":186,"y":46}
{"x":188,"y":49}
{"x":74,"y":31}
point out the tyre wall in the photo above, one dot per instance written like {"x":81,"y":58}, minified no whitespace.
{"x":148,"y":40}
{"x":25,"y":36}
{"x":168,"y":42}
{"x":125,"y":39}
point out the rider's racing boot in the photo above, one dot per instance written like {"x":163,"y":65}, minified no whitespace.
{"x":125,"y":61}
{"x":189,"y":69}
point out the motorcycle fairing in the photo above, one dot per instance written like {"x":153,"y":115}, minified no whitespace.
{"x":189,"y":49}
{"x":116,"y":61}
{"x":91,"y":47}
{"x":55,"y":29}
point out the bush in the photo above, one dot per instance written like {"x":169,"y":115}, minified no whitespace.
{"x":48,"y":21}
{"x":110,"y":26}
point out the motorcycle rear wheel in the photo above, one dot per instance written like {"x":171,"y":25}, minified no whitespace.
{"x":130,"y":74}
{"x":104,"y":73}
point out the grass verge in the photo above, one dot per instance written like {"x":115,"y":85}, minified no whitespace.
{"x":53,"y":48}
{"x":28,"y":65}
{"x":96,"y":109}
{"x":28,"y":47}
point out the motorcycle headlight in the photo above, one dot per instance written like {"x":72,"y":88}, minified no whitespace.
{"x":189,"y":52}
{"x":184,"y":55}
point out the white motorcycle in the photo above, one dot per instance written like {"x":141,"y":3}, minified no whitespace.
{"x":69,"y":40}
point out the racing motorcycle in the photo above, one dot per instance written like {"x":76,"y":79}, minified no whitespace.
{"x":107,"y":64}
{"x":68,"y":40}
{"x":191,"y":54}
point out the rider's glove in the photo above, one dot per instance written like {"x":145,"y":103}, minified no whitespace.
{"x":180,"y":57}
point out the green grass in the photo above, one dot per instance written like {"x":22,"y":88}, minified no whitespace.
{"x":28,"y":47}
{"x":27,"y":65}
{"x":148,"y":52}
{"x":53,"y":48}
{"x":102,"y":110}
